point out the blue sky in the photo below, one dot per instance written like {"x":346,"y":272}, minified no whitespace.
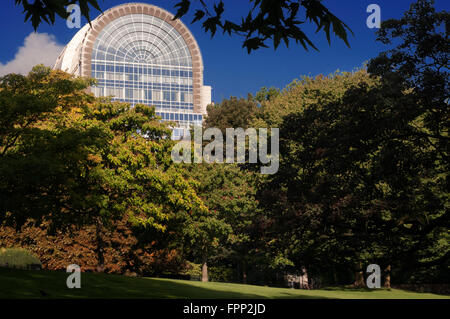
{"x":229,"y":69}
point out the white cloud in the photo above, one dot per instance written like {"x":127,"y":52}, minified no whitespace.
{"x":38,"y":48}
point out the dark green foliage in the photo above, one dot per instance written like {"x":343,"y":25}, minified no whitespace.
{"x":268,"y":20}
{"x":420,"y":62}
{"x":229,"y":194}
{"x":364,"y":171}
{"x":231,"y":113}
{"x":221,"y":274}
{"x":36,"y":157}
{"x":47,"y":10}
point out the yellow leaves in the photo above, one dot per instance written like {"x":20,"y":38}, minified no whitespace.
{"x":97,"y":159}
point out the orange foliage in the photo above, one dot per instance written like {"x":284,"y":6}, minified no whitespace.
{"x":122,"y":252}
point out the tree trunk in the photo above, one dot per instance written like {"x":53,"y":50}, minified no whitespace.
{"x":335,"y":279}
{"x":238,"y":269}
{"x":204,"y":270}
{"x":244,"y":271}
{"x":387,"y":277}
{"x":359,"y":276}
{"x":303,"y":279}
{"x":100,"y":246}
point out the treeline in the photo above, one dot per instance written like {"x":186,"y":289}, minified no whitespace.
{"x":364,"y":164}
{"x":363,"y":174}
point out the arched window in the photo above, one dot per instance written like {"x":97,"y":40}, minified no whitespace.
{"x":137,"y":56}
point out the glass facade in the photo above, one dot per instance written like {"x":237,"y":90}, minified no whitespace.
{"x":139,"y":58}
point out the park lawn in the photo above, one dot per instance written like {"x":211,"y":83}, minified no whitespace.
{"x":47,"y":284}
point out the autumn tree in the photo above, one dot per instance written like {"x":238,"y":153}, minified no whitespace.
{"x":72,"y":159}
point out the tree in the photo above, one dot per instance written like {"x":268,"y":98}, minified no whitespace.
{"x":337,"y":179}
{"x":301,"y":93}
{"x":135,"y":175}
{"x":230,"y":113}
{"x":266,"y":94}
{"x":364,"y":170}
{"x":39,"y":160}
{"x":202,"y":235}
{"x":352,"y":169}
{"x":228,"y":192}
{"x":419,"y":61}
{"x":268,"y":20}
{"x":314,"y":220}
{"x":72,"y":159}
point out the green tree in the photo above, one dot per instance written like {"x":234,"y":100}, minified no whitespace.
{"x":229,"y":193}
{"x":301,"y":93}
{"x":135,"y":175}
{"x":39,"y":161}
{"x":266,"y":94}
{"x":74,"y":159}
{"x":304,"y":196}
{"x":419,"y":60}
{"x":230,"y":113}
{"x":364,"y":170}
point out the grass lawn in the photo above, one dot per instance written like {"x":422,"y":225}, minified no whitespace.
{"x":46,"y":284}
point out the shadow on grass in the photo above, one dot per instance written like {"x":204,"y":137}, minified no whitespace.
{"x":18,"y":284}
{"x":353,"y":289}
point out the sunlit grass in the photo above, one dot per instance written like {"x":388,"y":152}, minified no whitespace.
{"x":46,"y":284}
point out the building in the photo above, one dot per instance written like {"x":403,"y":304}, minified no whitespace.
{"x":139,"y":54}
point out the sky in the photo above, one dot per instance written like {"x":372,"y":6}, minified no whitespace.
{"x":228,"y":68}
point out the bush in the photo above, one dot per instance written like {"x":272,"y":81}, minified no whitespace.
{"x":18,"y":258}
{"x":125,"y":249}
{"x":221,"y":274}
{"x":193,"y":270}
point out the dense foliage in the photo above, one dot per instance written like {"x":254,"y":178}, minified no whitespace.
{"x":231,"y":113}
{"x":125,"y":249}
{"x":364,"y":160}
{"x":70,"y":160}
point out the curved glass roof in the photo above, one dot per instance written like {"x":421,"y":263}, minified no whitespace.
{"x":143,"y":39}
